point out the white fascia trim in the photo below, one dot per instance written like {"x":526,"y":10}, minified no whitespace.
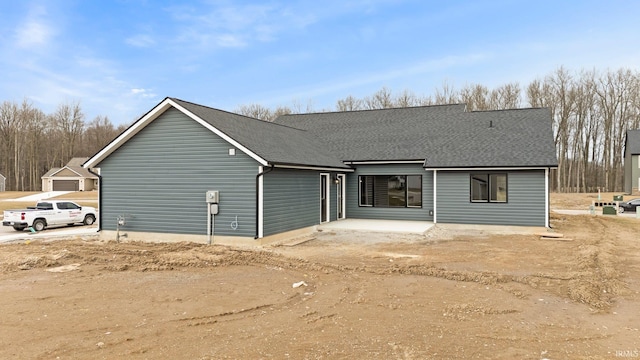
{"x":343,"y":191}
{"x":327,"y":189}
{"x":384,"y":162}
{"x":68,"y":168}
{"x":66,"y":178}
{"x":489,"y":168}
{"x":147,"y":119}
{"x":127,"y":134}
{"x":313,"y":168}
{"x":260,"y":203}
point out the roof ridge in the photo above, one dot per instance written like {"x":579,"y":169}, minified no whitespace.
{"x":384,"y":109}
{"x":236,"y":114}
{"x":512,"y":109}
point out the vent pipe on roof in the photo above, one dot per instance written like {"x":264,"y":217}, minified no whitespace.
{"x":490,"y":123}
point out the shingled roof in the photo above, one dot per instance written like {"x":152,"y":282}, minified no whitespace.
{"x":446,"y":136}
{"x":442,"y":136}
{"x":75,"y":165}
{"x":278,"y":144}
{"x":632,"y":142}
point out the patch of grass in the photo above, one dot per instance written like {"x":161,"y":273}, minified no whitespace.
{"x":581,"y":201}
{"x":14,"y":205}
{"x":79,"y":195}
{"x":16,"y":194}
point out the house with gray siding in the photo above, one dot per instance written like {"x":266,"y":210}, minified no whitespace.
{"x":632,"y":162}
{"x":439,"y":164}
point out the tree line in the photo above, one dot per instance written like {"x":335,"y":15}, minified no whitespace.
{"x":591,"y":111}
{"x":32,"y":142}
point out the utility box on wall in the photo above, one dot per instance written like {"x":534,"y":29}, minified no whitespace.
{"x":213,"y":197}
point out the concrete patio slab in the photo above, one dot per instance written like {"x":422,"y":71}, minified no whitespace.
{"x":392,"y":226}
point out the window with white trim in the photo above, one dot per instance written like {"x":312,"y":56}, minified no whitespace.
{"x":488,"y":187}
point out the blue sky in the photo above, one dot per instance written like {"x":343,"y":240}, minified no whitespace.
{"x":119,"y":58}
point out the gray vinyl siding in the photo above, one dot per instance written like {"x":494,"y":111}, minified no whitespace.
{"x":160,"y":176}
{"x":632,"y":172}
{"x":354,"y":211}
{"x":525,"y":196}
{"x":291,"y":200}
{"x":635,"y":172}
{"x":627,"y":172}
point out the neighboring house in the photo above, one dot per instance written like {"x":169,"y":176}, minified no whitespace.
{"x":71,"y":177}
{"x":433,"y":163}
{"x":3,"y":183}
{"x":632,"y":162}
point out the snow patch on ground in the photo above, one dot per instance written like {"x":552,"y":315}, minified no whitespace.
{"x":42,"y":196}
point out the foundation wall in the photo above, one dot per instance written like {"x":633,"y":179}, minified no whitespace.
{"x":128,"y":236}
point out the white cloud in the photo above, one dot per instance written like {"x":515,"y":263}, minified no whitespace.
{"x":32,"y":33}
{"x":143,"y":93}
{"x":230,"y":40}
{"x":35,"y":30}
{"x":230,"y":25}
{"x":141,"y":40}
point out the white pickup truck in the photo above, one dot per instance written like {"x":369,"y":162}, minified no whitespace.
{"x":49,"y":213}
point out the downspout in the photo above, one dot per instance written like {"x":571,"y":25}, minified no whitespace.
{"x":99,"y":198}
{"x":547,"y":199}
{"x":435,"y":196}
{"x":258,"y":198}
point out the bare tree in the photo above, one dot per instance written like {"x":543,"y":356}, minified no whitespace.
{"x":506,"y":96}
{"x":34,"y":125}
{"x":349,"y":104}
{"x":296,"y":108}
{"x":446,"y":95}
{"x":381,"y":99}
{"x":98,"y":133}
{"x":11,"y":150}
{"x":280,"y":110}
{"x":406,"y":99}
{"x":476,"y":97}
{"x":69,"y":121}
{"x":256,"y":111}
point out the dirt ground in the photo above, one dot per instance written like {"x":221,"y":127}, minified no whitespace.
{"x":582,"y":201}
{"x":346,"y":295}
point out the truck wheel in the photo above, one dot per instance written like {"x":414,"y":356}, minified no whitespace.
{"x":89,"y":220}
{"x":19,"y":228}
{"x":39,"y":225}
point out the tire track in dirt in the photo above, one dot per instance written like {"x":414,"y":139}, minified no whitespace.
{"x":225,"y":316}
{"x":598,"y":281}
{"x":595,"y":283}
